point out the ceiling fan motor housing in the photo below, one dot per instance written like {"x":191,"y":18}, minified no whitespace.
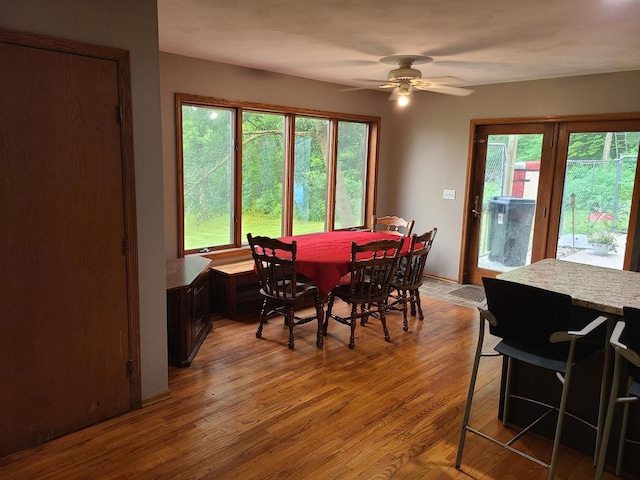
{"x":404,"y":73}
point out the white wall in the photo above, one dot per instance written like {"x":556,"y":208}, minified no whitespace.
{"x":199,"y":77}
{"x":131,"y":25}
{"x":433,"y":137}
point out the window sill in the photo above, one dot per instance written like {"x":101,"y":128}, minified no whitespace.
{"x":230,"y":255}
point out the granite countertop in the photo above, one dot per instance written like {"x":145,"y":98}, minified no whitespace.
{"x":598,"y":288}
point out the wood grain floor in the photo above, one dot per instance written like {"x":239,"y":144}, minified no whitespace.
{"x":253,"y":409}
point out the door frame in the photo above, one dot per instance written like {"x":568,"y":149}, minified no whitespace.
{"x":125,"y":115}
{"x":551,"y":223}
{"x":540,"y":221}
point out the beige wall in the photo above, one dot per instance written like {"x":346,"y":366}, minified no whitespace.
{"x":433,"y":145}
{"x":424,"y":147}
{"x":131,"y":25}
{"x":190,"y":75}
{"x":423,"y":150}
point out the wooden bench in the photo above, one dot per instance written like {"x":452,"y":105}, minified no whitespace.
{"x":235,"y":285}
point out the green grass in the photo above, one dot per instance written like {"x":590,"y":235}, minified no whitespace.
{"x":217,"y":230}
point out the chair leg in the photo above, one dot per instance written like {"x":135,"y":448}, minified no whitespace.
{"x":472,"y":386}
{"x":403,"y":301}
{"x":328,"y":315}
{"x":623,"y":436}
{"x":383,"y":320}
{"x":507,"y":393}
{"x":352,"y":324}
{"x":364,"y":308}
{"x":291,"y":322}
{"x":320,"y":315}
{"x":605,"y":383}
{"x":561,"y":409}
{"x":416,"y":295}
{"x":623,"y":430}
{"x":263,"y":313}
{"x":613,"y":398}
{"x":413,"y":304}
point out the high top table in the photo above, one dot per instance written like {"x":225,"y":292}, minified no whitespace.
{"x":597,"y":288}
{"x":603,"y":290}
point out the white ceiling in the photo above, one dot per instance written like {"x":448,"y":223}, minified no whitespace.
{"x":340,"y":41}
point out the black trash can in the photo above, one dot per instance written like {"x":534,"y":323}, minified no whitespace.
{"x":510,"y":222}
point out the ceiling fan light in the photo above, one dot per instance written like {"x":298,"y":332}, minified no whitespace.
{"x":403,"y":100}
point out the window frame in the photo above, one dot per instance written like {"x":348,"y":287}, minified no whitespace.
{"x":290,"y":114}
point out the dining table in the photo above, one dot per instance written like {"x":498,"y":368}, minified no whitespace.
{"x":324,"y":257}
{"x":597,"y":291}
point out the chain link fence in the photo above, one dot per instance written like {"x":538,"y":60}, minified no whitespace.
{"x":597,"y":196}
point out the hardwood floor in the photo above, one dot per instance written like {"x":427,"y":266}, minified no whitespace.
{"x":253,"y":409}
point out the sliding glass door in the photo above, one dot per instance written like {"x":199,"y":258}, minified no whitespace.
{"x":594,"y":211}
{"x":509,"y":200}
{"x":567,"y":190}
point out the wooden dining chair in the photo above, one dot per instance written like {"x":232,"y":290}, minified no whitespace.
{"x":535,"y":327}
{"x":408,"y":278}
{"x":625,"y":340}
{"x":391,"y":224}
{"x":281,"y":287}
{"x":371,"y":268}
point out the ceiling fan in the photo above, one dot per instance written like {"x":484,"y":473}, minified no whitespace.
{"x":404,"y":80}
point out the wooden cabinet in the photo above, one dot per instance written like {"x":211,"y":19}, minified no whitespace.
{"x":235,"y":289}
{"x":188,"y":312}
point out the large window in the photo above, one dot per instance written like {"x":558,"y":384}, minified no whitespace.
{"x":351,"y":171}
{"x":263,"y":157}
{"x":207,"y":176}
{"x":266,"y":170}
{"x":310,"y":174}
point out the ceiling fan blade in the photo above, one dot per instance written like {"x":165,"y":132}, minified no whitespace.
{"x":447,"y":90}
{"x":388,"y":85}
{"x":438,"y":80}
{"x":351,"y":89}
{"x":371,"y":80}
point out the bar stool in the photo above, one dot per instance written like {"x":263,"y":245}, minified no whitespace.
{"x":535,"y":328}
{"x":627,"y":331}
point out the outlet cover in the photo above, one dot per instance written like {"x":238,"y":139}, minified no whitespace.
{"x":449,"y":194}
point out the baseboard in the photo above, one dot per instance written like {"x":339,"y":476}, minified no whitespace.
{"x":156,"y":399}
{"x":444,"y":279}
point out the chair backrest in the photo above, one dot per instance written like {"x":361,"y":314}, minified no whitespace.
{"x":631,"y":336}
{"x":391,"y":224}
{"x":371,"y":268}
{"x":411,"y":266}
{"x":525,"y":314}
{"x":276,"y":265}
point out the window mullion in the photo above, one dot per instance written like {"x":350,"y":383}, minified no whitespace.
{"x":237,"y":200}
{"x":287,"y":200}
{"x":370,"y":190}
{"x":331,"y":177}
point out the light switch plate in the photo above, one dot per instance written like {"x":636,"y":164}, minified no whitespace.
{"x":449,"y":194}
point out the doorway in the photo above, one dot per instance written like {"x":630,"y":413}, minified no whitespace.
{"x":550,"y":189}
{"x":69,"y":301}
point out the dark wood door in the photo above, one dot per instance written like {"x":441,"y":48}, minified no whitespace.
{"x":65,"y":337}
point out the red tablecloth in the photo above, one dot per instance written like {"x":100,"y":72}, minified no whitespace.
{"x":324,"y":257}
